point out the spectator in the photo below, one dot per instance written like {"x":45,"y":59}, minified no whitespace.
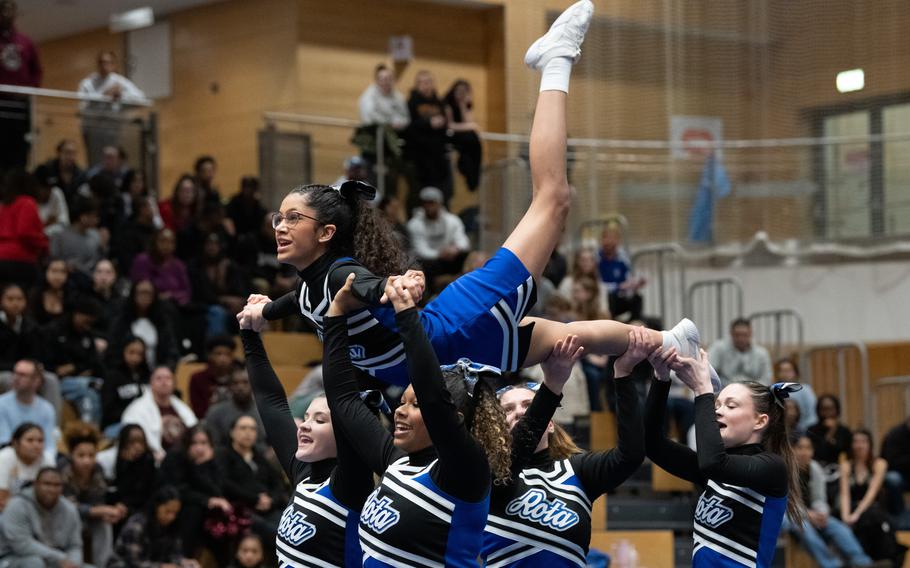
{"x":205,"y":169}
{"x":102,"y":121}
{"x":126,"y":377}
{"x":19,"y":66}
{"x":390,"y":206}
{"x":85,"y":486}
{"x":463,"y":131}
{"x":135,"y":235}
{"x":245,"y":209}
{"x":21,"y":461}
{"x":133,"y":192}
{"x":586,"y":306}
{"x":64,"y":171}
{"x":23,"y":405}
{"x":81,"y":244}
{"x":615,"y":269}
{"x":556,"y":269}
{"x":249,"y":553}
{"x":861,"y":478}
{"x":132,"y":469}
{"x":381,"y":103}
{"x":152,"y":537}
{"x":163,"y":269}
{"x":52,"y":207}
{"x":251,"y":482}
{"x":219,"y":285}
{"x":52,"y":297}
{"x":19,"y":337}
{"x":22,"y":238}
{"x":145,"y":316}
{"x":792,"y":419}
{"x":184,"y":206}
{"x":355,"y":169}
{"x":73,"y":353}
{"x":738,"y":358}
{"x":427,"y":137}
{"x":163,"y":417}
{"x":192,"y":468}
{"x":437,"y":236}
{"x":896,"y":451}
{"x":112,"y":167}
{"x":40,"y":528}
{"x":221,"y":415}
{"x":786,"y":371}
{"x":584,"y":263}
{"x":105,"y":292}
{"x":210,"y":385}
{"x":830,"y":438}
{"x":818,"y":524}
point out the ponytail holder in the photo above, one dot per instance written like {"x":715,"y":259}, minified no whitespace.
{"x":354,"y":190}
{"x":374,"y":400}
{"x":781,"y":392}
{"x":470,"y":372}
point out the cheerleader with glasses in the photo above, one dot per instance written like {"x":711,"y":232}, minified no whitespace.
{"x":743,"y":459}
{"x":327,"y":232}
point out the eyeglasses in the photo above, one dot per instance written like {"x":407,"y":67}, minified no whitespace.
{"x":531,"y":386}
{"x":291,"y":219}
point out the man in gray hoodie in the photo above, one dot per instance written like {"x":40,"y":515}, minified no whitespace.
{"x":39,"y":529}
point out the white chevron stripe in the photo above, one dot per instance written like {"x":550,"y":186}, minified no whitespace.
{"x":371,"y":547}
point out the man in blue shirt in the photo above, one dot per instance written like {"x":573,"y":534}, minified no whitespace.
{"x":615,"y":268}
{"x":22,"y":404}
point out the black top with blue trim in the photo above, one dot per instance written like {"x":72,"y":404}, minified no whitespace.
{"x":739,"y":514}
{"x":431,"y":506}
{"x":543,"y":517}
{"x":319,"y":525}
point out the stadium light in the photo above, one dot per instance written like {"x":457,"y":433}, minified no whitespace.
{"x":132,"y":20}
{"x":851,"y":80}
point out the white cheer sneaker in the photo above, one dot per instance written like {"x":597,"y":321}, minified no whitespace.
{"x":564,"y":37}
{"x":687,"y":341}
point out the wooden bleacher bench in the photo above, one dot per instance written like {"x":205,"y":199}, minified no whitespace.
{"x":286,"y":348}
{"x":182,"y":377}
{"x":603,"y":431}
{"x":903,"y":537}
{"x":655,"y":548}
{"x":795,"y":556}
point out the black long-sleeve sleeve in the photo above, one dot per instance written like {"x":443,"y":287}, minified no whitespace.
{"x":282,"y":307}
{"x":367,"y":287}
{"x":676,"y":458}
{"x":355,"y":426}
{"x":603,"y":471}
{"x":764,"y":472}
{"x":463,"y":470}
{"x":272,"y":404}
{"x":533,"y":425}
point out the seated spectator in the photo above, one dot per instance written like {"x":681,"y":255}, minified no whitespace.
{"x":463,"y":131}
{"x":251,"y":482}
{"x":52,"y":207}
{"x":584,"y":264}
{"x":219,"y":285}
{"x":249,"y":553}
{"x":221,"y":415}
{"x":52,"y":296}
{"x":792,"y":420}
{"x":382,"y":103}
{"x":105,"y":291}
{"x":113,"y":165}
{"x":437,"y":236}
{"x":205,"y":169}
{"x":427,"y":137}
{"x":212,"y":219}
{"x":245,"y":208}
{"x":786,"y":371}
{"x":615,"y":269}
{"x":861,"y":478}
{"x":819,"y":526}
{"x":830,"y":437}
{"x":130,"y":469}
{"x":152,"y":537}
{"x":390,"y":206}
{"x":145,"y":316}
{"x":73,"y":353}
{"x":81,"y":244}
{"x":39,"y":528}
{"x":133,"y":192}
{"x":587,"y":307}
{"x":163,"y":417}
{"x":558,"y":308}
{"x":355,"y":169}
{"x":22,"y":238}
{"x":65,"y":171}
{"x":184,"y":206}
{"x":21,"y":461}
{"x":85,"y":486}
{"x":163,"y":269}
{"x":896,"y":451}
{"x":23,"y":405}
{"x":19,"y":338}
{"x":738,"y":358}
{"x":135,"y":236}
{"x":193,"y":469}
{"x":210,"y":385}
{"x":127,"y":375}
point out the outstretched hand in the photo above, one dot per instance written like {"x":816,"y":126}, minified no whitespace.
{"x":344,"y":301}
{"x":694,"y":373}
{"x":635,"y":353}
{"x":558,"y":367}
{"x":418,"y":289}
{"x":661,"y":361}
{"x":401,"y":292}
{"x":250,"y":317}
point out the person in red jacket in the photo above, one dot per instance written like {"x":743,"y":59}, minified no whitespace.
{"x":22,"y":238}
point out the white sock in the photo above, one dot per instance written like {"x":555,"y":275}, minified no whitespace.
{"x":669,"y":340}
{"x":555,"y":75}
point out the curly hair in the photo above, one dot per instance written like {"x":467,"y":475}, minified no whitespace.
{"x":360,"y":231}
{"x":485,"y":420}
{"x":81,"y":433}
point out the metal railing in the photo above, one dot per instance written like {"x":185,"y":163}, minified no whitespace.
{"x":897,"y":388}
{"x":778,"y":330}
{"x":714,"y":304}
{"x":664,"y":269}
{"x":837,"y":358}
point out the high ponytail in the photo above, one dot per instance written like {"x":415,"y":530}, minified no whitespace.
{"x":360,"y":231}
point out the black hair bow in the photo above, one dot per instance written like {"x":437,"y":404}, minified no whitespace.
{"x":354,"y":189}
{"x":781,"y":391}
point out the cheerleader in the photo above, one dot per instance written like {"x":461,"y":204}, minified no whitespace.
{"x":744,"y":460}
{"x":543,"y":516}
